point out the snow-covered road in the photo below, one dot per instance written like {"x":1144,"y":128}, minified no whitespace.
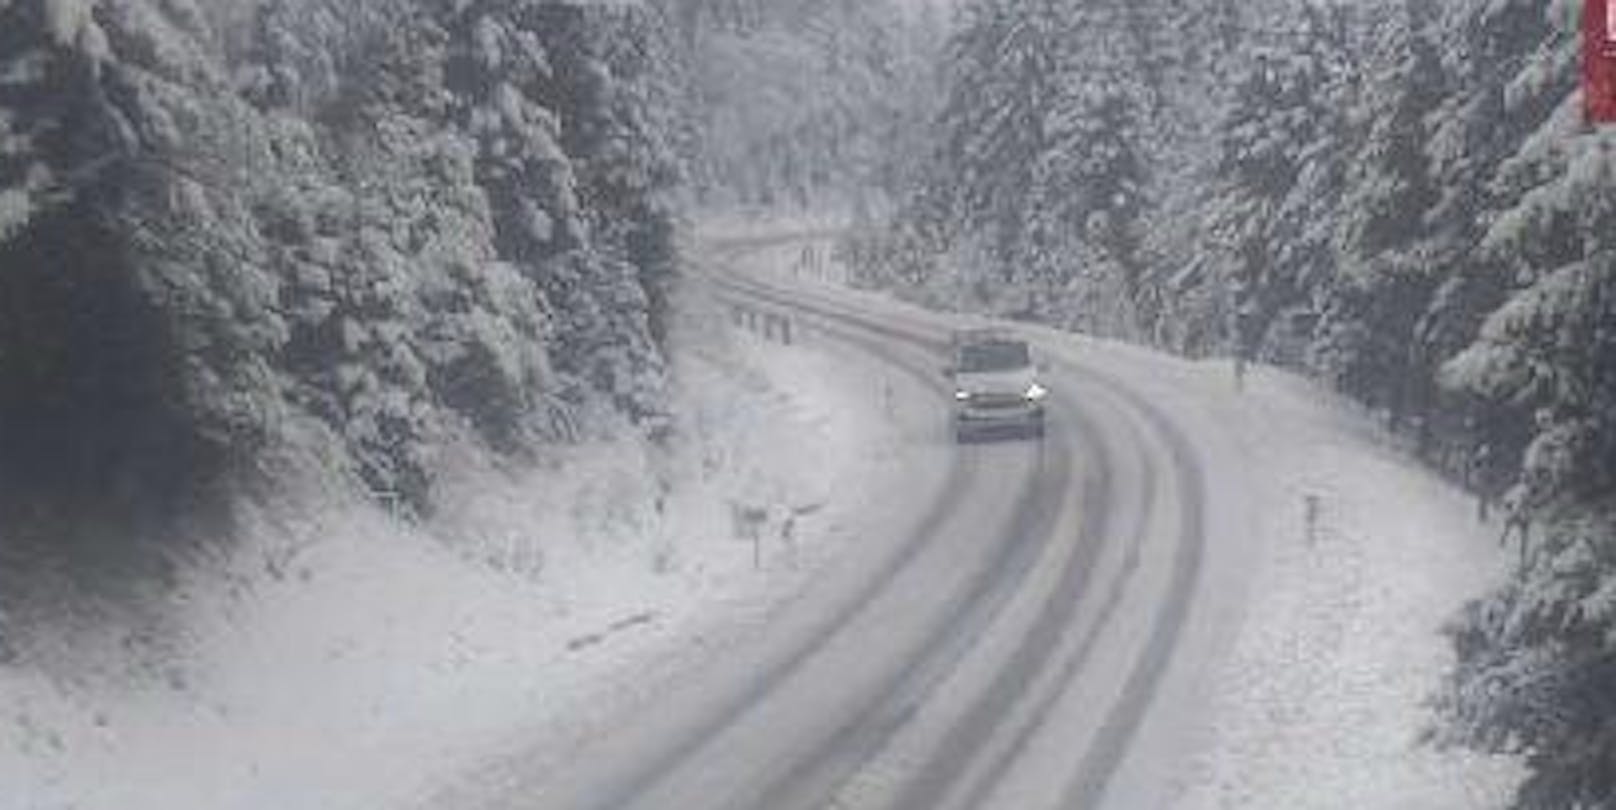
{"x":1081,"y":623}
{"x":1007,"y":647}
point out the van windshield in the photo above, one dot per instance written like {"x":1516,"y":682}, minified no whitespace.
{"x":997,"y":355}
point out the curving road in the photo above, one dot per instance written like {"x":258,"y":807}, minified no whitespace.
{"x":1010,"y":648}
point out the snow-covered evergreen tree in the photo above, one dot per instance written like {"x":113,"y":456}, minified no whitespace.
{"x":802,"y":103}
{"x":1397,"y":197}
{"x":355,"y":232}
{"x":1277,"y":182}
{"x":1031,"y":206}
{"x":1533,"y":675}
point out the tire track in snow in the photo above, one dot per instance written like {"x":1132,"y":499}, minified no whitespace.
{"x":967,"y":740}
{"x":1113,"y":740}
{"x":952,"y":495}
{"x":1106,"y":752}
{"x":834,"y":760}
{"x":813,"y":781}
{"x":967,"y":737}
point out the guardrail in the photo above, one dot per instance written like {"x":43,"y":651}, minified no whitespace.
{"x":770,"y":324}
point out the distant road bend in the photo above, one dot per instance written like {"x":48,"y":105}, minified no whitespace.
{"x":1006,"y":653}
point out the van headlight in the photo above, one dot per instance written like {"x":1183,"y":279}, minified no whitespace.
{"x":1036,"y":392}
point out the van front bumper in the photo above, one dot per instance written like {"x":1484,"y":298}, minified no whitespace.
{"x":1020,"y":417}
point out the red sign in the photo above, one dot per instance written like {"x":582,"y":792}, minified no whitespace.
{"x":1599,"y":61}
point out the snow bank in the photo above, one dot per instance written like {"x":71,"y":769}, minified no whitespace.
{"x":1335,"y":560}
{"x":339,"y":659}
{"x":1363,"y":556}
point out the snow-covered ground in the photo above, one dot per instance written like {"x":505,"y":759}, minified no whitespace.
{"x":1361,"y":556}
{"x":336,"y":658}
{"x":1336,"y":562}
{"x":1335,"y":566}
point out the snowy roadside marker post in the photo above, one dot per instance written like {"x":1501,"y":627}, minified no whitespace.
{"x":748,"y":521}
{"x":1312,"y":506}
{"x":757,"y":547}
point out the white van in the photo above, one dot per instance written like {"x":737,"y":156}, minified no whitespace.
{"x":996,"y":387}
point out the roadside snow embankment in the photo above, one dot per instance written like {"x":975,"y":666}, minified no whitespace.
{"x":1334,"y":560}
{"x":1362,"y":557}
{"x":337,"y":658}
